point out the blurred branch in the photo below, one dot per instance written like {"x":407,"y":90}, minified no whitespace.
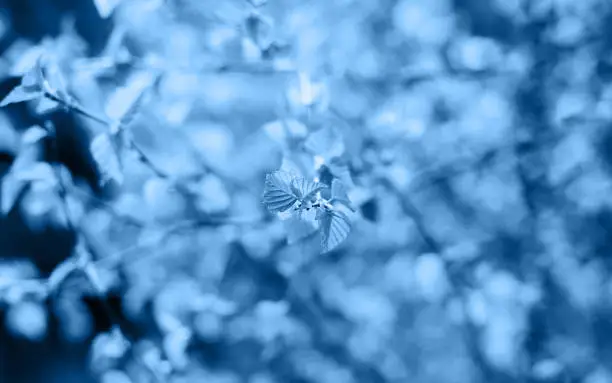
{"x":470,"y":331}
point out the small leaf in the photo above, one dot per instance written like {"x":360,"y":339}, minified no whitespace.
{"x":124,"y":103}
{"x":19,"y":94}
{"x":278,"y":193}
{"x":106,"y":7}
{"x":38,"y":171}
{"x":175,"y":347}
{"x":335,"y":227}
{"x":46,"y":105}
{"x":105,"y":155}
{"x":33,"y":135}
{"x":32,"y":86}
{"x":94,"y":278}
{"x":27,"y":60}
{"x":107,"y":346}
{"x":285,"y":132}
{"x":304,"y":189}
{"x":163,"y":200}
{"x":325,"y":142}
{"x":298,"y":229}
{"x":340,"y":169}
{"x":339,"y":194}
{"x":60,"y":273}
{"x":11,"y":190}
{"x":212,"y":195}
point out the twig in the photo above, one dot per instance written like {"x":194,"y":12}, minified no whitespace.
{"x":73,"y":106}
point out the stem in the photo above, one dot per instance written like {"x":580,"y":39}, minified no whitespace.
{"x":77,"y":108}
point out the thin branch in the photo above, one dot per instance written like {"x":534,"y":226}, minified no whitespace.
{"x":73,"y":106}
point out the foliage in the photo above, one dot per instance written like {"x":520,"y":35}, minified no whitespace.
{"x":320,"y":191}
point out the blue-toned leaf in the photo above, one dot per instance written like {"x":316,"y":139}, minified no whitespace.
{"x":27,"y":319}
{"x":298,"y":229}
{"x":175,"y":347}
{"x":285,"y":132}
{"x":107,"y":346}
{"x":33,"y":135}
{"x":33,"y":85}
{"x":339,"y":168}
{"x":325,"y":142}
{"x":46,"y":105}
{"x":106,"y":7}
{"x":20,"y":94}
{"x":105,"y":155}
{"x":38,"y":171}
{"x":304,"y":189}
{"x":335,"y":227}
{"x":124,"y":103}
{"x":279,"y":196}
{"x":11,"y":190}
{"x":339,"y":191}
{"x":339,"y":194}
{"x":60,"y":274}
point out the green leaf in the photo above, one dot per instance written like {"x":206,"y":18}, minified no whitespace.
{"x":279,"y":196}
{"x":335,"y":228}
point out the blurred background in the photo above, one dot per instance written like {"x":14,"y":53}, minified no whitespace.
{"x":473,"y":138}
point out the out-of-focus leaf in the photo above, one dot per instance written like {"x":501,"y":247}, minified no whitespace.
{"x":279,"y":196}
{"x":301,"y":164}
{"x":325,"y":142}
{"x":105,"y":155}
{"x":306,"y":92}
{"x":95,"y":279}
{"x":20,"y":94}
{"x":26,"y":59}
{"x":27,"y":319}
{"x":33,"y":85}
{"x":60,"y":273}
{"x":339,"y":168}
{"x":298,"y":229}
{"x":166,"y":148}
{"x":11,"y":189}
{"x":33,"y":135}
{"x":213,"y":195}
{"x":335,"y":227}
{"x":106,"y":7}
{"x":46,"y":105}
{"x":108,"y":347}
{"x":38,"y":171}
{"x":175,"y":347}
{"x":339,"y":193}
{"x":163,"y":200}
{"x":123,"y":104}
{"x":115,"y":376}
{"x":283,"y":132}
